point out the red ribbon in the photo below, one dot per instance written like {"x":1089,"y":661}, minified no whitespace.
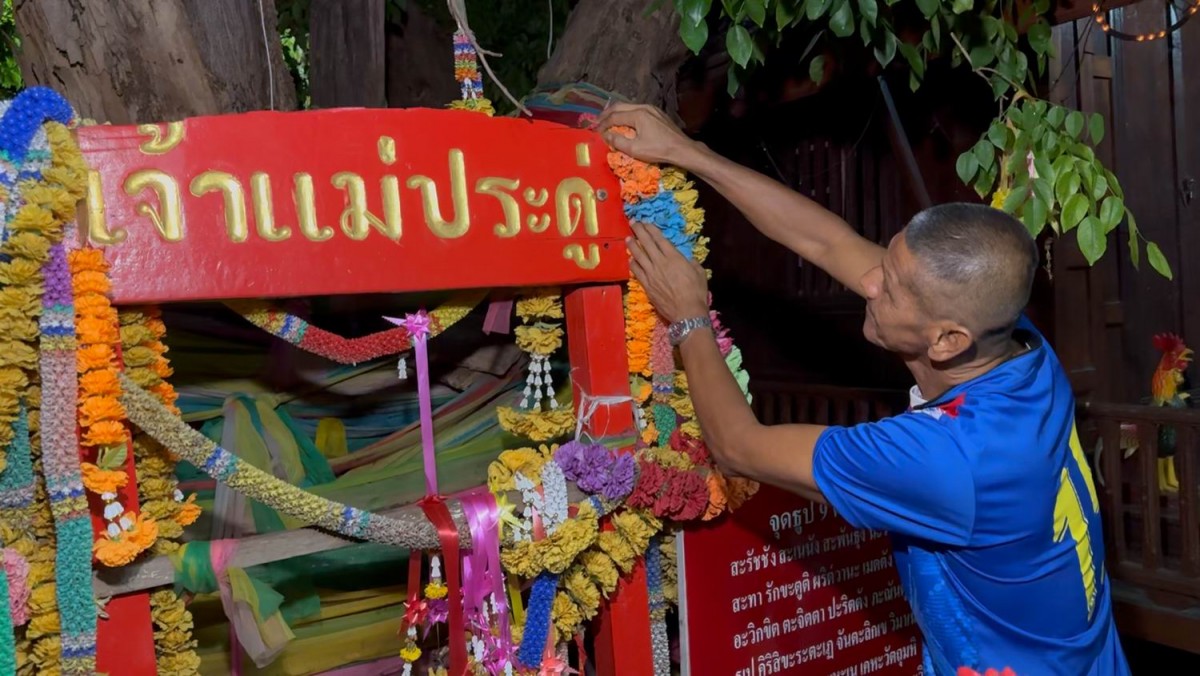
{"x":439,"y":515}
{"x":414,"y":608}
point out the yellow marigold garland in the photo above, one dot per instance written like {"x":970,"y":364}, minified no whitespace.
{"x":142,"y":332}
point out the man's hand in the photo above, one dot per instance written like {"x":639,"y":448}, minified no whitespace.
{"x":677,"y":287}
{"x":655,"y":139}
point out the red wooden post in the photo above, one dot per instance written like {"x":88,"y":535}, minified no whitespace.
{"x":125,"y":640}
{"x":596,"y":342}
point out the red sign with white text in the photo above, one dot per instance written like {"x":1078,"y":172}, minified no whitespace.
{"x":784,"y":586}
{"x":349,"y":201}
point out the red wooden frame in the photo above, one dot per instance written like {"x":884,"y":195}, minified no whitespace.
{"x":196,"y":210}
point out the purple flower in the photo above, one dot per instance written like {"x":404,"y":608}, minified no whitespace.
{"x":568,"y":457}
{"x":595,"y":465}
{"x":621,"y":478}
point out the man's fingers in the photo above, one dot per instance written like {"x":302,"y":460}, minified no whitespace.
{"x":639,"y":273}
{"x":618,"y":142}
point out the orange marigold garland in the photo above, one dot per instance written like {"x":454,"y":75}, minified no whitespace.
{"x":104,"y":437}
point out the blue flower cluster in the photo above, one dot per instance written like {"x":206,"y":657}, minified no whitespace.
{"x":537,"y":620}
{"x":663,"y":211}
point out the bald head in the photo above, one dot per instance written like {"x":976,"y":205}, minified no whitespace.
{"x":978,"y":265}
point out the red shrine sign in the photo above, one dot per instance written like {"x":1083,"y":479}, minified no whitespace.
{"x":350,"y":201}
{"x":784,"y":586}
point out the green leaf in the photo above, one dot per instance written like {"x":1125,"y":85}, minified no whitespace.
{"x":961,"y":6}
{"x":1092,"y":241}
{"x":984,"y":153}
{"x":913,"y":56}
{"x":1100,"y":187}
{"x":1039,"y":37}
{"x":112,"y":457}
{"x":864,"y":32}
{"x":1114,"y":185}
{"x":841,"y":19}
{"x":785,"y":13}
{"x":756,"y":10}
{"x":1096,"y":127}
{"x":1074,"y":209}
{"x":739,"y":44}
{"x":888,"y":53}
{"x":935,"y":28}
{"x":1055,"y":116}
{"x":1065,"y":185}
{"x":999,"y":86}
{"x":928,"y":7}
{"x":991,"y":27}
{"x":695,"y":37}
{"x":999,"y":135}
{"x":1157,"y":260}
{"x":985,"y":181}
{"x":693,"y":12}
{"x":1035,"y":215}
{"x":1046,"y":170}
{"x":1044,"y":189}
{"x":914,"y":82}
{"x":1016,"y":198}
{"x":733,"y":81}
{"x":815,"y":9}
{"x":1112,"y":210}
{"x":1135,"y":248}
{"x":869,"y":9}
{"x":966,"y":166}
{"x":1075,"y":123}
{"x":816,"y":69}
{"x":982,"y":55}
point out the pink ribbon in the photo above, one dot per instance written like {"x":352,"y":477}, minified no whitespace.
{"x":384,"y":667}
{"x":482,"y":574}
{"x":418,"y":328}
{"x":499,"y":315}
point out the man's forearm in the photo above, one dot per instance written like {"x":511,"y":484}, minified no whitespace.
{"x":787,"y":217}
{"x":721,"y":408}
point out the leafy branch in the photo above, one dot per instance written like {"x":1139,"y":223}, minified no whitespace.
{"x":1037,"y":160}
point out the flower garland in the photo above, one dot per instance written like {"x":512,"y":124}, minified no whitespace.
{"x":539,"y":416}
{"x":350,"y":351}
{"x":671,"y":475}
{"x":142,"y":332}
{"x":104,"y":436}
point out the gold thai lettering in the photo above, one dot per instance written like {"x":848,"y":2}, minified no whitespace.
{"x":387,"y":150}
{"x":306,"y":209}
{"x":167,"y":215}
{"x":458,"y":193}
{"x":233,"y":198}
{"x":499,"y":188}
{"x":574,"y":252}
{"x":97,"y":218}
{"x":575,"y":200}
{"x":583,"y":155}
{"x":159,"y":143}
{"x":356,"y":220}
{"x":537,"y":223}
{"x":264,"y":213}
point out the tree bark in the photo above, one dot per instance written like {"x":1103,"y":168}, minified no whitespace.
{"x":346,"y":52}
{"x":136,"y":61}
{"x":617,"y":46}
{"x":420,"y":62}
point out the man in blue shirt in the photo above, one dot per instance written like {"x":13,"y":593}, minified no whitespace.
{"x":982,"y":484}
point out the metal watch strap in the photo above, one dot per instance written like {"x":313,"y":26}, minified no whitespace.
{"x":679,"y":330}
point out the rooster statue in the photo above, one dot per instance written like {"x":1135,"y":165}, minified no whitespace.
{"x":1164,"y":391}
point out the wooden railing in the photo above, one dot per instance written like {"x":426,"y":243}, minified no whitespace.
{"x":1152,"y":536}
{"x":783,"y":402}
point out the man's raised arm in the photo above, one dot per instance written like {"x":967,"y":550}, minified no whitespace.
{"x":814,"y":233}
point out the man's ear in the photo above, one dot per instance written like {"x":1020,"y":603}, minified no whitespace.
{"x":949,"y":341}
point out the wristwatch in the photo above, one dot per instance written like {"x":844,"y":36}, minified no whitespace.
{"x":679,"y":330}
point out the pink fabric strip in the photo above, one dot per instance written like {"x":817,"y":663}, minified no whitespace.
{"x":384,"y":667}
{"x":481,"y":570}
{"x":499,"y":315}
{"x":420,"y":344}
{"x":220,"y":553}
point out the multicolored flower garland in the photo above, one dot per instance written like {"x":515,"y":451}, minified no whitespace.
{"x":350,"y":351}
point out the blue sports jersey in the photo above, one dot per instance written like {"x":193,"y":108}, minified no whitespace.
{"x":994,"y":518}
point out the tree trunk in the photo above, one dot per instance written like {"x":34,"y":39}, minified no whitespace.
{"x":136,"y":61}
{"x":420,"y":62}
{"x":617,"y":46}
{"x":346,"y":52}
